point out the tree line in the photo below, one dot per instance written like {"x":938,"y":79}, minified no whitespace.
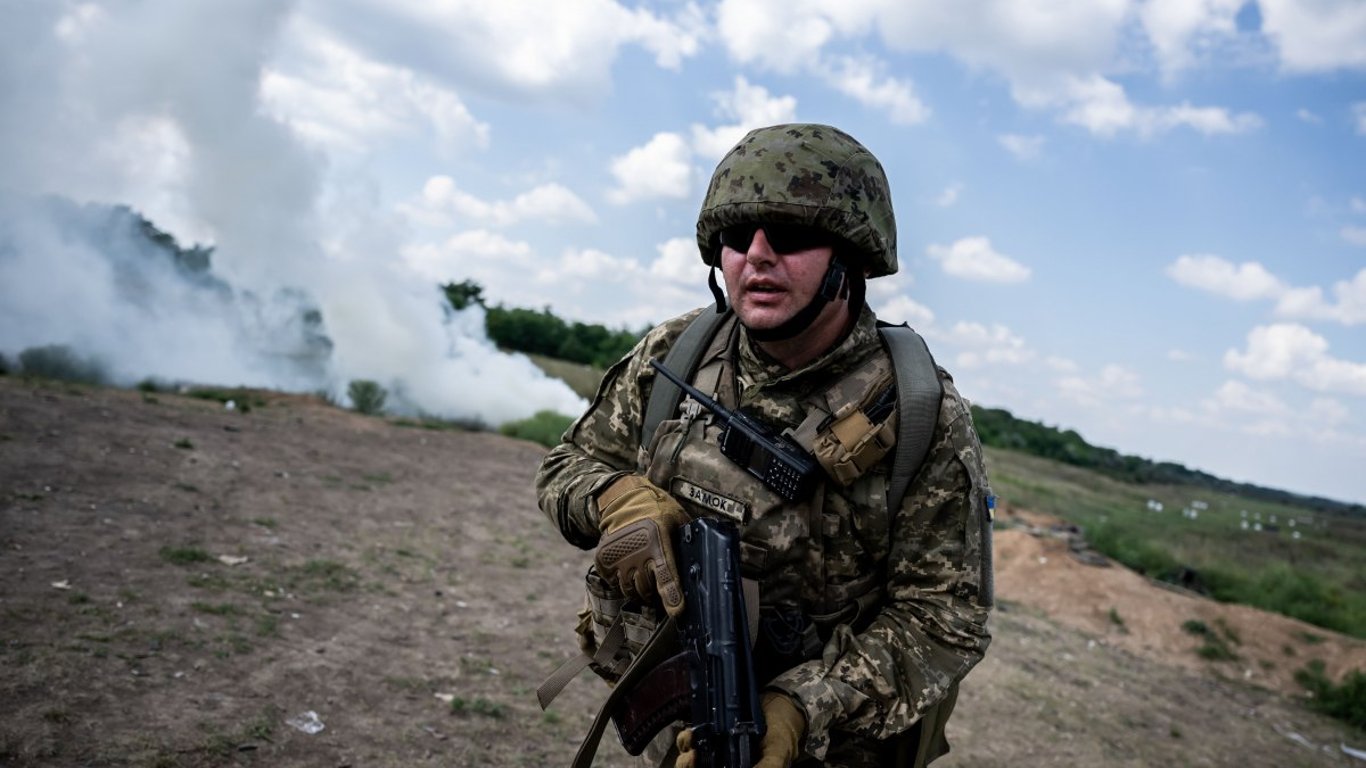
{"x":540,"y":332}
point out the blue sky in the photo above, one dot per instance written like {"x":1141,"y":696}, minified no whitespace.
{"x":1142,"y":220}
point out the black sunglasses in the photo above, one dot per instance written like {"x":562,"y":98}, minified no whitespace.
{"x":782,"y":238}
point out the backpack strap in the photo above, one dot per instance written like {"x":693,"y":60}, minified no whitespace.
{"x":918,"y":397}
{"x":682,"y":359}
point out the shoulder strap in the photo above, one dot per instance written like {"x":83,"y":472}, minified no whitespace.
{"x":918,"y":395}
{"x":682,"y":359}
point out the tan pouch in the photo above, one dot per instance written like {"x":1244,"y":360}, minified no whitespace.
{"x":849,"y":446}
{"x":601,"y":611}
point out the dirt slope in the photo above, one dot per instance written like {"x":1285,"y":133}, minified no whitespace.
{"x":178,"y":581}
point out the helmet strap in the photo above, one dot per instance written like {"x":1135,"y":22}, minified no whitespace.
{"x":833,"y":285}
{"x":716,"y":290}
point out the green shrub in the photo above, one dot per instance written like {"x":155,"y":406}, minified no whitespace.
{"x":367,"y":396}
{"x":480,"y":706}
{"x":185,"y":555}
{"x":1215,"y":647}
{"x":57,"y":361}
{"x":1134,"y":550}
{"x":1295,"y":592}
{"x":243,"y":399}
{"x":464,"y":293}
{"x":546,"y":428}
{"x":1345,"y":701}
{"x":5,"y":365}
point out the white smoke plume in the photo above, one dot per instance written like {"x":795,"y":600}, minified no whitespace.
{"x":156,"y":103}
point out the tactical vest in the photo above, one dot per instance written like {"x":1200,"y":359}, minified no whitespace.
{"x":810,"y":559}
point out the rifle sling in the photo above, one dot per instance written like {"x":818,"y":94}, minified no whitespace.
{"x":663,"y":644}
{"x":570,"y":669}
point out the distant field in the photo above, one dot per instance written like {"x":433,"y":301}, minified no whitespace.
{"x":1290,"y":560}
{"x":583,"y":379}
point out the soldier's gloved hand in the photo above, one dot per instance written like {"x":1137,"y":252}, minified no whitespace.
{"x":786,"y":726}
{"x":637,"y":520}
{"x":686,"y":758}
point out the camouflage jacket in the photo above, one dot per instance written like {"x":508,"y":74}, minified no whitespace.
{"x":926,"y":564}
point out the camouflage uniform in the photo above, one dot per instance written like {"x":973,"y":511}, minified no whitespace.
{"x":897,"y":600}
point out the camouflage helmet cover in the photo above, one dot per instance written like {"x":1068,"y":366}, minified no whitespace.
{"x":803,"y":174}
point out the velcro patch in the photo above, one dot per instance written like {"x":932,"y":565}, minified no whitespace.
{"x":711,"y":500}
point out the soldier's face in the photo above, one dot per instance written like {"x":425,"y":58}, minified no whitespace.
{"x":767,"y":287}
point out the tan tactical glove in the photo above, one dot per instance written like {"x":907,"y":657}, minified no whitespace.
{"x":636,"y":552}
{"x":786,"y":725}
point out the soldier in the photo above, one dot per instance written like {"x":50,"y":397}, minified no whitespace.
{"x":869,"y":616}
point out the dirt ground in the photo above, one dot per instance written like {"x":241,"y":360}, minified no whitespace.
{"x":182,"y":584}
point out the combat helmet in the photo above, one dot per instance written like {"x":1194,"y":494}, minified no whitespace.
{"x":803,"y":173}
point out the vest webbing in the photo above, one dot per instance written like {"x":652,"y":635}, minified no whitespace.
{"x":917,"y":383}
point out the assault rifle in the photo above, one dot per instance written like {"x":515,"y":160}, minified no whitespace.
{"x":782,"y":465}
{"x":711,"y":683}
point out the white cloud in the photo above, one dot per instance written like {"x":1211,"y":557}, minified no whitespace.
{"x":1316,"y":36}
{"x":949,"y":196}
{"x":1055,"y":56}
{"x":558,"y":49}
{"x":1238,"y":396}
{"x":1113,"y":383}
{"x":676,"y":284}
{"x":679,"y":262}
{"x":903,"y":309}
{"x":468,"y":253}
{"x":1252,"y":411}
{"x":862,"y":80}
{"x":972,"y":258}
{"x":1176,"y":28}
{"x":334,"y":96}
{"x":1102,"y":107}
{"x":1350,"y":305}
{"x":1308,"y":117}
{"x":1354,"y":235}
{"x":1291,"y":351}
{"x":795,"y":44}
{"x":1061,"y":364}
{"x":1022,"y":147}
{"x":548,"y":203}
{"x":983,"y":345}
{"x":749,"y":106}
{"x":1180,"y":356}
{"x":1330,"y":412}
{"x":661,"y":168}
{"x":1251,"y":281}
{"x":594,"y":284}
{"x":1249,"y":410}
{"x":752,"y":33}
{"x":1359,"y":117}
{"x":590,"y":264}
{"x":1022,"y":39}
{"x":1243,"y":282}
{"x":1358,"y":205}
